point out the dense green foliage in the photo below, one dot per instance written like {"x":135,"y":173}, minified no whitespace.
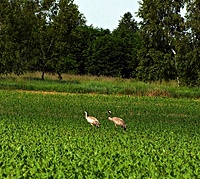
{"x":52,"y":36}
{"x":169,"y":41}
{"x":46,"y":136}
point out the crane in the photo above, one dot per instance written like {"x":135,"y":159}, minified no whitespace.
{"x":92,"y":120}
{"x":117,"y":121}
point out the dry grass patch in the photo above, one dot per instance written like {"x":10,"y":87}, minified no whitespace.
{"x":158,"y":93}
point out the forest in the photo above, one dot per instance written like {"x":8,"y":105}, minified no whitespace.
{"x":51,"y":36}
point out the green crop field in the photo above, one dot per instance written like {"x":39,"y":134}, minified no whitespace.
{"x":45,"y":135}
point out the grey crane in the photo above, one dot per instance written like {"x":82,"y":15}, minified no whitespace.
{"x":117,"y":121}
{"x":92,"y":120}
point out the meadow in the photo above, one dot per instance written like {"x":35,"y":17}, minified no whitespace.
{"x":44,"y":134}
{"x":98,"y":85}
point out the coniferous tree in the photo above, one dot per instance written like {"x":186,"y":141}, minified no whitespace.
{"x":83,"y":39}
{"x":128,"y":32}
{"x":105,"y":56}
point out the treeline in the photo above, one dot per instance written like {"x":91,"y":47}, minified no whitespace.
{"x":52,"y":36}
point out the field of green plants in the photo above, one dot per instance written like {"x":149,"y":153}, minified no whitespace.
{"x":45,"y":135}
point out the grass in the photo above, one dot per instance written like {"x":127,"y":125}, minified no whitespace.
{"x":45,"y":135}
{"x":98,"y":85}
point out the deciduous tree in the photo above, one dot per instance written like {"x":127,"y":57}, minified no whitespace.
{"x":161,"y":27}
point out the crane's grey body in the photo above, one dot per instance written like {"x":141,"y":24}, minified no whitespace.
{"x":117,"y":121}
{"x":92,"y":120}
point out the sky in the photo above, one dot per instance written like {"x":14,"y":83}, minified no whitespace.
{"x":106,"y":13}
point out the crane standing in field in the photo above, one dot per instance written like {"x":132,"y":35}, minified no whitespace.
{"x":92,"y":120}
{"x":117,"y":121}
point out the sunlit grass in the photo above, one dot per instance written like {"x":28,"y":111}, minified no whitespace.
{"x":94,"y":84}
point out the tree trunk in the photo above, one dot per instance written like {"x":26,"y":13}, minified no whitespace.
{"x":59,"y":76}
{"x":43,"y":75}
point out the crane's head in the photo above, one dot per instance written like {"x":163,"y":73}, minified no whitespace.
{"x":109,"y":112}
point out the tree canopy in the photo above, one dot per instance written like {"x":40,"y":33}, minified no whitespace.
{"x":52,"y":36}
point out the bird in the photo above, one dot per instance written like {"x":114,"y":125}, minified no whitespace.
{"x":117,"y":121}
{"x":92,"y":120}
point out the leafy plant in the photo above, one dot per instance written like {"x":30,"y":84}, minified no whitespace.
{"x":46,"y":135}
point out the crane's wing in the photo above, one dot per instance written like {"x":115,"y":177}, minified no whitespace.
{"x":118,"y":121}
{"x":92,"y":119}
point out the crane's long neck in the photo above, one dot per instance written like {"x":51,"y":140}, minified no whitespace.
{"x":86,"y":115}
{"x":110,"y":118}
